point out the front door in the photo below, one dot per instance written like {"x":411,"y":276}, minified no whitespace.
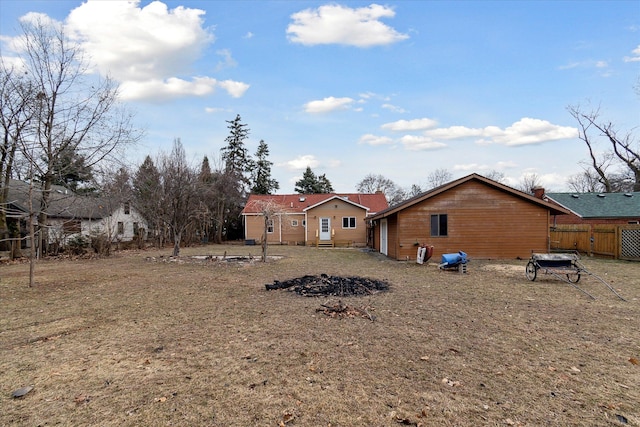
{"x":383,"y":237}
{"x":325,"y":228}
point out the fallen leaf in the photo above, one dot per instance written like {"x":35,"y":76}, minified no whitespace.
{"x":424,"y":358}
{"x":81,"y":398}
{"x":574,"y":369}
{"x":633,"y":361}
{"x":287,"y":417}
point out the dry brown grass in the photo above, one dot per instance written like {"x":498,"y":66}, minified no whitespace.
{"x":124,"y":341}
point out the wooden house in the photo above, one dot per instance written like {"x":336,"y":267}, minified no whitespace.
{"x":311,"y":219}
{"x":474,"y":214}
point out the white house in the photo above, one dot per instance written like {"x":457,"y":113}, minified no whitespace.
{"x":70,"y":214}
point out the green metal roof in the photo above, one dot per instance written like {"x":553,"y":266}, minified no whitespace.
{"x":599,"y":205}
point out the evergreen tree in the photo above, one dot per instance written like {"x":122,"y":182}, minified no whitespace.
{"x":70,"y":170}
{"x":235,"y":156}
{"x":262,"y":181}
{"x":147,"y":195}
{"x":312,"y":184}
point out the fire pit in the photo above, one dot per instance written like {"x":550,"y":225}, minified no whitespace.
{"x":325,"y":285}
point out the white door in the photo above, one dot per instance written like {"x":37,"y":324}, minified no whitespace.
{"x":325,"y":228}
{"x":383,"y":236}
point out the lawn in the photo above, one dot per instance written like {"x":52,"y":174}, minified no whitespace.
{"x":141,"y":339}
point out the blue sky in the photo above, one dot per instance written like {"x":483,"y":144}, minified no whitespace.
{"x":398,"y":88}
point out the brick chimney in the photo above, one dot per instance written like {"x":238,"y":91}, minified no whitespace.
{"x":538,"y":192}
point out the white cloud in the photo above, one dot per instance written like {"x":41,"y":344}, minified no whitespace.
{"x":173,"y":87}
{"x":419,"y":143}
{"x":527,"y":131}
{"x":227,"y":60}
{"x":523,"y":132}
{"x":150,"y":49}
{"x":506,"y":165}
{"x":635,"y":55}
{"x":394,"y":108}
{"x":471,"y":167}
{"x":337,"y":24}
{"x":454,"y":132}
{"x":213,"y":110}
{"x":327,"y":105}
{"x":301,"y":162}
{"x":370,"y":139}
{"x":235,"y":89}
{"x":410,"y":125}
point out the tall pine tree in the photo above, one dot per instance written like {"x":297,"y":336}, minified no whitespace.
{"x":312,"y":184}
{"x":235,"y":156}
{"x":262,"y":181}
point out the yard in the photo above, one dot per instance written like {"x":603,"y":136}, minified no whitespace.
{"x":139,"y":339}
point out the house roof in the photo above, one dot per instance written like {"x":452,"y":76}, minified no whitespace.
{"x":63,"y":203}
{"x":299,"y":203}
{"x":599,"y":205}
{"x":553,"y":208}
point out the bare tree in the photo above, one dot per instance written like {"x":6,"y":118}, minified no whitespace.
{"x":270,"y":210}
{"x":73,"y":110}
{"x":377,"y":182}
{"x":586,"y":182}
{"x":623,"y":152}
{"x":15,"y":117}
{"x":178,"y":193}
{"x":528,"y":182}
{"x":439,"y":177}
{"x":495,"y":176}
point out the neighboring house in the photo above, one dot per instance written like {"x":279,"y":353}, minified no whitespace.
{"x":70,"y":214}
{"x":312,"y":219}
{"x":474,"y":214}
{"x":596,"y":208}
{"x":604,"y":224}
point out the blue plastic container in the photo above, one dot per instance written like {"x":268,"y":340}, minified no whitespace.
{"x":454,"y":259}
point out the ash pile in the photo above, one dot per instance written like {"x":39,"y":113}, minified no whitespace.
{"x":325,"y":285}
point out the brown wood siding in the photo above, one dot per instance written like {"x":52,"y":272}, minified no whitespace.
{"x":283,"y":231}
{"x":336,"y":210}
{"x":392,"y":237}
{"x":483,"y":221}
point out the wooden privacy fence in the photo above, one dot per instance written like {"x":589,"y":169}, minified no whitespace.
{"x":606,"y":240}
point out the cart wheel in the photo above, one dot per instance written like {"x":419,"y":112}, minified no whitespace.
{"x":573,"y":278}
{"x":531,"y":271}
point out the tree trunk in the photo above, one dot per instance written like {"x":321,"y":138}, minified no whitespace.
{"x":176,"y":243}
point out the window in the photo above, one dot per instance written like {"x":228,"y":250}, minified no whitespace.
{"x":294,"y":222}
{"x":269,"y":226}
{"x":304,"y":223}
{"x":348,"y":222}
{"x":72,"y":226}
{"x":120,"y":227}
{"x":136,"y":230}
{"x":439,"y":225}
{"x":127,"y":208}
